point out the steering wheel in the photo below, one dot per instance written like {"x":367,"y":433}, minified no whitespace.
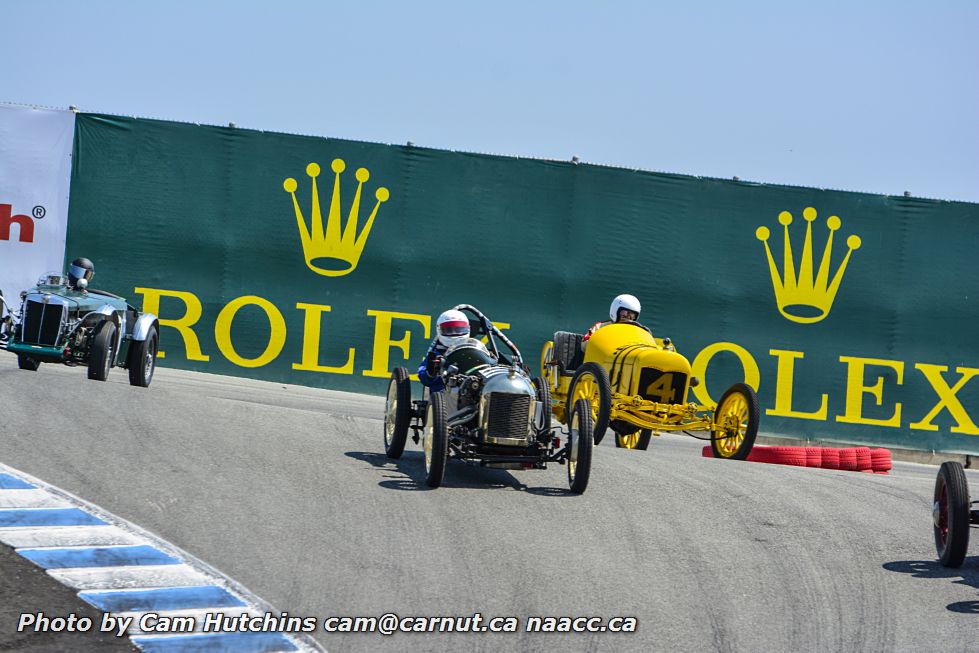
{"x":634,"y":323}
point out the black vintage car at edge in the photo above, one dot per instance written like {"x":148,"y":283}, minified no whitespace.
{"x":953,"y":514}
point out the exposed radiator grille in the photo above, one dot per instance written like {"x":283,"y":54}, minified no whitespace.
{"x":509,"y":415}
{"x":42,"y":323}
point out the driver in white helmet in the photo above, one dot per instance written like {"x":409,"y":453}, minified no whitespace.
{"x":453,"y":329}
{"x":624,"y":308}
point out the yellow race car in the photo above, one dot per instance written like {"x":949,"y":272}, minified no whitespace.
{"x":637,"y":385}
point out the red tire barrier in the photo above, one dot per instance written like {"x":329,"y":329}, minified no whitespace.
{"x":852,"y":459}
{"x":831,"y":458}
{"x":880,"y":460}
{"x":863,"y":459}
{"x":788,"y":456}
{"x":848,"y":460}
{"x":758,"y":453}
{"x":814,"y":457}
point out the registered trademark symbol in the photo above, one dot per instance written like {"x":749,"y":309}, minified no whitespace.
{"x":39,"y":212}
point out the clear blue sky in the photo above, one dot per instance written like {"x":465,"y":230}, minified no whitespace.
{"x":875,"y":96}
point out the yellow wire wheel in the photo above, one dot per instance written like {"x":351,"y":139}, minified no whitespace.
{"x":735,"y":423}
{"x":591,"y":383}
{"x":638,"y":440}
{"x":546,"y":352}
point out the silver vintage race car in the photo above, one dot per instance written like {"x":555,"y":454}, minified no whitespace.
{"x":491,"y":413}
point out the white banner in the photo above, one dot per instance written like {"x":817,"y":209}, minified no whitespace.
{"x":35,"y":172}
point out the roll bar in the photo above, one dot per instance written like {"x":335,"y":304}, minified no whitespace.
{"x":491,"y":330}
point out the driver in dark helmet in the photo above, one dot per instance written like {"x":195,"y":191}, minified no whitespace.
{"x":624,"y":308}
{"x":80,"y":268}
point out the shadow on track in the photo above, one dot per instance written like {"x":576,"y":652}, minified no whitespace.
{"x":964,"y":607}
{"x":968,"y":574}
{"x":457,"y":474}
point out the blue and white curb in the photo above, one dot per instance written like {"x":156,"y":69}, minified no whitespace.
{"x":127,"y":572}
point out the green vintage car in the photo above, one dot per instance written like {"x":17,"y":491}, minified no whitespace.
{"x":62,"y":320}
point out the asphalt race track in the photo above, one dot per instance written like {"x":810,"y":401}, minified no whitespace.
{"x":287,"y":490}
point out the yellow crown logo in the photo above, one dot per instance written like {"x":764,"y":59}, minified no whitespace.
{"x":330,"y":252}
{"x":801,"y":298}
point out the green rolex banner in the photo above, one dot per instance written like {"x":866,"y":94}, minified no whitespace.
{"x":321,"y":262}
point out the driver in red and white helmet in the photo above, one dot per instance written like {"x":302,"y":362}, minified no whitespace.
{"x":624,"y":308}
{"x":453,"y":329}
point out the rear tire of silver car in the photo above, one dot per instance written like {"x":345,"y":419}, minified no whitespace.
{"x":27,"y":363}
{"x":142,"y":359}
{"x":102,"y":351}
{"x":435,"y":440}
{"x":397,"y":413}
{"x":580,"y":429}
{"x":543,"y":397}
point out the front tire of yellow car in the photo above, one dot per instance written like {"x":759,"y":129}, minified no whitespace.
{"x":737,"y":413}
